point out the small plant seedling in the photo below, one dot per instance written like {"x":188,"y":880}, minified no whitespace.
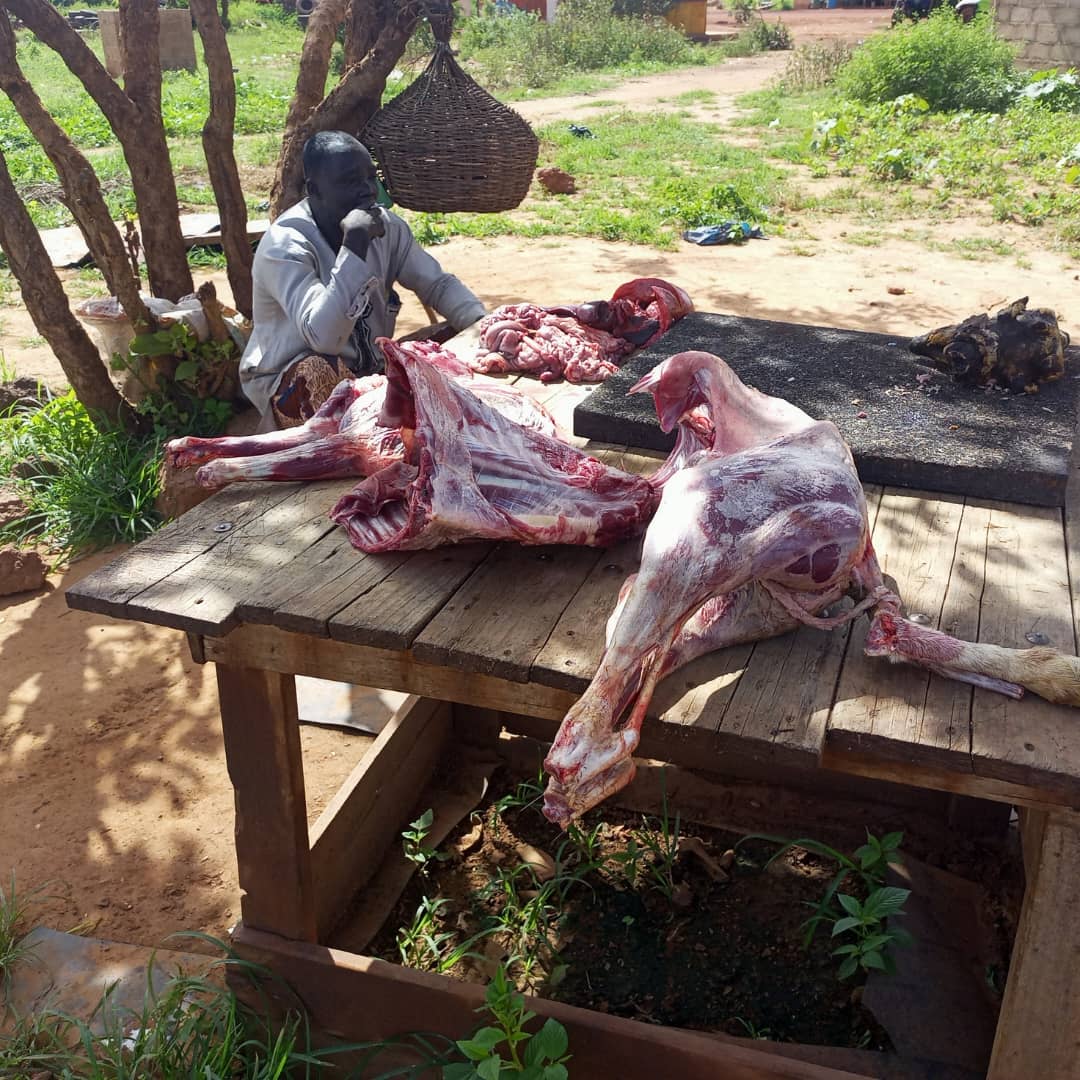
{"x":416,"y":851}
{"x":869,"y":863}
{"x":871,"y":949}
{"x":539,"y":1056}
{"x":752,"y":1030}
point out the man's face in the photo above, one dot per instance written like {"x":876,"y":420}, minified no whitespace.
{"x":345,"y":181}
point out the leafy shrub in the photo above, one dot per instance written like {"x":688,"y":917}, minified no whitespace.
{"x":515,"y":48}
{"x":741,"y":9}
{"x":811,"y":67}
{"x":770,"y":37}
{"x":950,"y":64}
{"x":83,"y":488}
{"x":1051,"y":90}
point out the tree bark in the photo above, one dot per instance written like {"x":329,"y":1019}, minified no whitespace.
{"x":217,"y":139}
{"x":136,"y":121}
{"x":310,"y":87}
{"x":81,"y":188}
{"x":355,"y":99}
{"x":48,"y":306}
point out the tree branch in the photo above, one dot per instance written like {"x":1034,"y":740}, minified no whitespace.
{"x":48,"y":306}
{"x":50,"y":27}
{"x":310,"y":87}
{"x":81,"y":188}
{"x":217,"y":139}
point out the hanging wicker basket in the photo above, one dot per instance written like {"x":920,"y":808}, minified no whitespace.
{"x":445,"y":144}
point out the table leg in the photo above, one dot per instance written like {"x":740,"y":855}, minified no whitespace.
{"x":1038,"y":1033}
{"x":262,"y":751}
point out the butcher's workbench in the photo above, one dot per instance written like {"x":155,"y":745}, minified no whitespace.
{"x":267,"y":588}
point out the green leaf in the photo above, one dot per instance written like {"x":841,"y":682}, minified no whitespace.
{"x":488,"y":1036}
{"x":549,"y":1042}
{"x":556,"y":1072}
{"x":876,"y":941}
{"x":841,"y":925}
{"x":423,"y":822}
{"x":490,"y":1068}
{"x":888,"y":900}
{"x":186,"y":369}
{"x":846,"y":950}
{"x":872,"y":959}
{"x":459,"y":1070}
{"x":161,"y":341}
{"x":892,"y":841}
{"x":848,"y":968}
{"x":473,"y":1050}
{"x":850,"y":904}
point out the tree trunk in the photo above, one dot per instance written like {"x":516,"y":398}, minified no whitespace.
{"x":347,"y":107}
{"x":147,"y":153}
{"x":310,"y":87}
{"x":48,"y":306}
{"x":81,"y":189}
{"x":135,"y":120}
{"x":217,"y":138}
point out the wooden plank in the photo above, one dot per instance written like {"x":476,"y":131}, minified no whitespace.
{"x":374,"y":804}
{"x":1038,"y":1031}
{"x":1026,"y":591}
{"x":262,"y":752}
{"x":323,"y":579}
{"x":573,"y":649}
{"x":1072,"y":538}
{"x":501,"y":618}
{"x":946,"y":719}
{"x":108,"y":590}
{"x":393,"y":611}
{"x":1049,"y":795}
{"x":364,"y":1000}
{"x":881,"y":708}
{"x":202,"y":595}
{"x":780,"y":705}
{"x":278,"y":650}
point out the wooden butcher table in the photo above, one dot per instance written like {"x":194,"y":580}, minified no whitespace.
{"x":267,"y":588}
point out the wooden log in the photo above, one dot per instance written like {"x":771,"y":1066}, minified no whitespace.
{"x":262,"y":752}
{"x":373,"y":805}
{"x":1038,"y":1032}
{"x":363,"y":999}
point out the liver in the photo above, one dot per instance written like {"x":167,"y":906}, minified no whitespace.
{"x":267,"y":589}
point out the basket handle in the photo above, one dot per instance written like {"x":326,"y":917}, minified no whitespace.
{"x":440,"y":14}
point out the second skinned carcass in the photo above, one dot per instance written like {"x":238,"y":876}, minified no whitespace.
{"x":761,"y":526}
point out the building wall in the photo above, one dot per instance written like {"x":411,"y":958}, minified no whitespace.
{"x":1047,"y":31}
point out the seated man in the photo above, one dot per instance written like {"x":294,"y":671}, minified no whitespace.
{"x":323,"y":282}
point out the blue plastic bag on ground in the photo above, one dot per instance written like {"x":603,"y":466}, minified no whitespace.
{"x":727,"y":232}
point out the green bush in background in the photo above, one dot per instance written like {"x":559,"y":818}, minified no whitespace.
{"x":949,"y":64}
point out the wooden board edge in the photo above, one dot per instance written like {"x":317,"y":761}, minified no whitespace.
{"x":366,"y":814}
{"x":339,"y":989}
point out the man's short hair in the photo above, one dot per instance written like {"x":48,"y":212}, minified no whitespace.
{"x":323,"y":145}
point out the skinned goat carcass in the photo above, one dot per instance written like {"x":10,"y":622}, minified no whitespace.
{"x":579,"y":342}
{"x":344,"y":437}
{"x":762,"y":526}
{"x":469,"y":473}
{"x":1018,"y":349}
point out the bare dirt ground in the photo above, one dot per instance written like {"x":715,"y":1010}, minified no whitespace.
{"x":113,"y":789}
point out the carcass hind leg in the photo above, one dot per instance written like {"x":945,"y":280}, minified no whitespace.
{"x":323,"y":458}
{"x":191,"y":450}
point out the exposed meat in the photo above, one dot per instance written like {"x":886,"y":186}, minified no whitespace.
{"x":579,"y":342}
{"x":527,"y":337}
{"x":640,"y":311}
{"x":1015,"y":350}
{"x":762,"y":526}
{"x":345,"y":437}
{"x":470,"y":473}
